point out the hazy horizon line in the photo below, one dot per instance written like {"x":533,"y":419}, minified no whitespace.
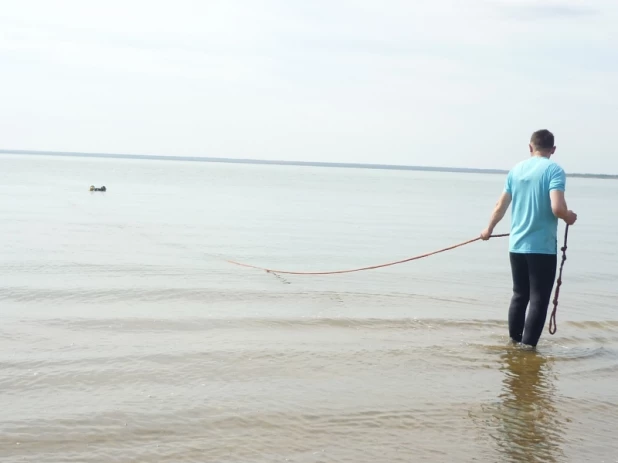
{"x":282,"y":163}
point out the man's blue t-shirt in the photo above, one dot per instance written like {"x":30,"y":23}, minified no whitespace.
{"x":533,"y":224}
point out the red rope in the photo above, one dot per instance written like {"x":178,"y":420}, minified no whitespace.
{"x":552,"y":319}
{"x":364,"y":268}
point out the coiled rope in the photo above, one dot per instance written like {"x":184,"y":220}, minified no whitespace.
{"x":552,"y":320}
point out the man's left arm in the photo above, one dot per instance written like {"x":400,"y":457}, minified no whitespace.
{"x":498,"y":214}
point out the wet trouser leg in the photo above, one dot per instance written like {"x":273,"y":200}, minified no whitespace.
{"x":533,"y":282}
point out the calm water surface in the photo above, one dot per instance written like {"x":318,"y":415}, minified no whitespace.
{"x":125,"y":335}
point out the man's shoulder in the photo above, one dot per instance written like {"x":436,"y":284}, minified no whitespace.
{"x":520,"y":163}
{"x":518,"y":166}
{"x":554,"y":170}
{"x":553,"y":165}
{"x":533,"y":164}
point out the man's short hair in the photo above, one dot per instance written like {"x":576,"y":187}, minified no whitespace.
{"x":542,"y":139}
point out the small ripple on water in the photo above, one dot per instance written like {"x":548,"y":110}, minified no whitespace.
{"x":390,"y":324}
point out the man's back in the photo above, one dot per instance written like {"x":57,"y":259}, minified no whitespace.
{"x":533,"y":224}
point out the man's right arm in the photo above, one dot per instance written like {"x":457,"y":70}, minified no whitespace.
{"x":556,"y":194}
{"x":559,"y":205}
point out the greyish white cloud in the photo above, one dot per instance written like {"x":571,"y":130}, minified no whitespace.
{"x":542,"y":11}
{"x":440,"y":82}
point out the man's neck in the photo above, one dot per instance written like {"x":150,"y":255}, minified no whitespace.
{"x":540,"y":154}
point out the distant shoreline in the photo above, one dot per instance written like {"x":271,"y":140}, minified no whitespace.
{"x":283,"y":163}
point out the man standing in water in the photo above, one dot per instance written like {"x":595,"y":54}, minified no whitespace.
{"x":536,"y":187}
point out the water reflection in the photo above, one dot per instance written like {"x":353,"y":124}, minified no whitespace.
{"x":529,"y":428}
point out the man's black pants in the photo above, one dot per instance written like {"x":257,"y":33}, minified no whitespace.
{"x":533,"y":282}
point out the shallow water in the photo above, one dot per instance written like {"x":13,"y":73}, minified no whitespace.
{"x":126,"y":336}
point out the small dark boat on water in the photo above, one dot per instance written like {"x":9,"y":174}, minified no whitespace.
{"x":93,"y":188}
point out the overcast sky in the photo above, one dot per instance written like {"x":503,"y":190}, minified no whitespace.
{"x":439,"y":82}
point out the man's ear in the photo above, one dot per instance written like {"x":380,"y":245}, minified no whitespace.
{"x":531,"y":148}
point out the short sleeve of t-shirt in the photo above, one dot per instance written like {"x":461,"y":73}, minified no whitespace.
{"x":507,"y":183}
{"x":557,"y":178}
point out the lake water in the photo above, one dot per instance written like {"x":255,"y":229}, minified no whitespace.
{"x":125,"y":335}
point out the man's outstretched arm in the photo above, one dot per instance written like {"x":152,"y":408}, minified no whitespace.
{"x":497,"y":215}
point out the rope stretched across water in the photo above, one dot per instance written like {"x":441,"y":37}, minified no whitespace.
{"x":552,"y":320}
{"x":371,"y":267}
